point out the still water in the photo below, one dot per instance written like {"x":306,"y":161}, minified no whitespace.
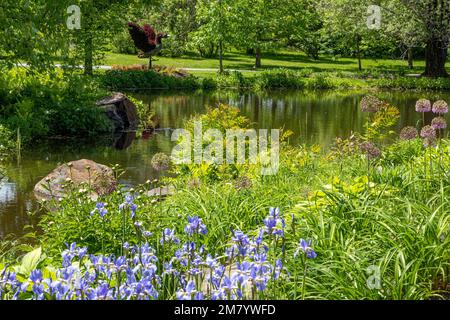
{"x":314,"y":118}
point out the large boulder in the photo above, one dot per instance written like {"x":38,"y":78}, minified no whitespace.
{"x":121,"y":111}
{"x":99,"y":177}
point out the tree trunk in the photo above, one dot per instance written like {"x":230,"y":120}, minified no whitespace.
{"x":150,"y":63}
{"x":88,"y":56}
{"x":358,"y":53}
{"x":410,"y":58}
{"x":435,"y":57}
{"x":258,"y":58}
{"x":220,"y":57}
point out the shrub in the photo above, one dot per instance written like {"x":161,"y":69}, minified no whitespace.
{"x":42,"y":106}
{"x":7,"y":145}
{"x":140,"y":80}
{"x":410,"y":83}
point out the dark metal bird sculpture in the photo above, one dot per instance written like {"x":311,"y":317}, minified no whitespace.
{"x":146,"y":40}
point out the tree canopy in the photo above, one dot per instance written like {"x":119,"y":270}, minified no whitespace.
{"x":35,"y":32}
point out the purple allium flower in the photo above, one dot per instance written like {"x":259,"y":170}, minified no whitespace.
{"x":195,"y":225}
{"x":371,"y":104}
{"x":440,"y":107}
{"x":423,"y":105}
{"x":305,"y":246}
{"x":409,"y":133}
{"x":439,"y":123}
{"x":370,"y":149}
{"x":430,"y":142}
{"x":428,"y":132}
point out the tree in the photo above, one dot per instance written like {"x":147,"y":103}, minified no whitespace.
{"x":400,"y":25}
{"x":100,"y":20}
{"x":347,"y":20}
{"x":258,"y":25}
{"x":301,"y":26}
{"x":215,"y":26}
{"x":178,"y":19}
{"x":28,"y":31}
{"x":434,"y":19}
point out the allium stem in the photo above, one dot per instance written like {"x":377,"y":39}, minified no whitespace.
{"x":431,"y":164}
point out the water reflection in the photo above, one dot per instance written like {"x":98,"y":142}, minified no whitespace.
{"x":123,"y":140}
{"x":313,"y":117}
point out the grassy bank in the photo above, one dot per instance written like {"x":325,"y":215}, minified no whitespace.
{"x":281,"y":59}
{"x":270,"y":79}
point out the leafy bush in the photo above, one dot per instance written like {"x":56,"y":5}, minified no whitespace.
{"x":233,"y":79}
{"x":282,"y":78}
{"x":140,"y":80}
{"x":42,"y":106}
{"x":268,"y":79}
{"x":409,"y":83}
{"x":7,"y":144}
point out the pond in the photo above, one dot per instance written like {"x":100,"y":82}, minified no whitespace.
{"x":314,"y":118}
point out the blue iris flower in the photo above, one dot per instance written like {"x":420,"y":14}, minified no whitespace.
{"x":195,"y":225}
{"x":305,"y":247}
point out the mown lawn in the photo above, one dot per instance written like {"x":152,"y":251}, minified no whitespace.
{"x":286,"y":59}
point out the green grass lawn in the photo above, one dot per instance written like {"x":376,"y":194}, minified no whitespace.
{"x":286,"y":59}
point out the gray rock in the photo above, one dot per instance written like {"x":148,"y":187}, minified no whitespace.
{"x":122,"y":112}
{"x":99,"y":177}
